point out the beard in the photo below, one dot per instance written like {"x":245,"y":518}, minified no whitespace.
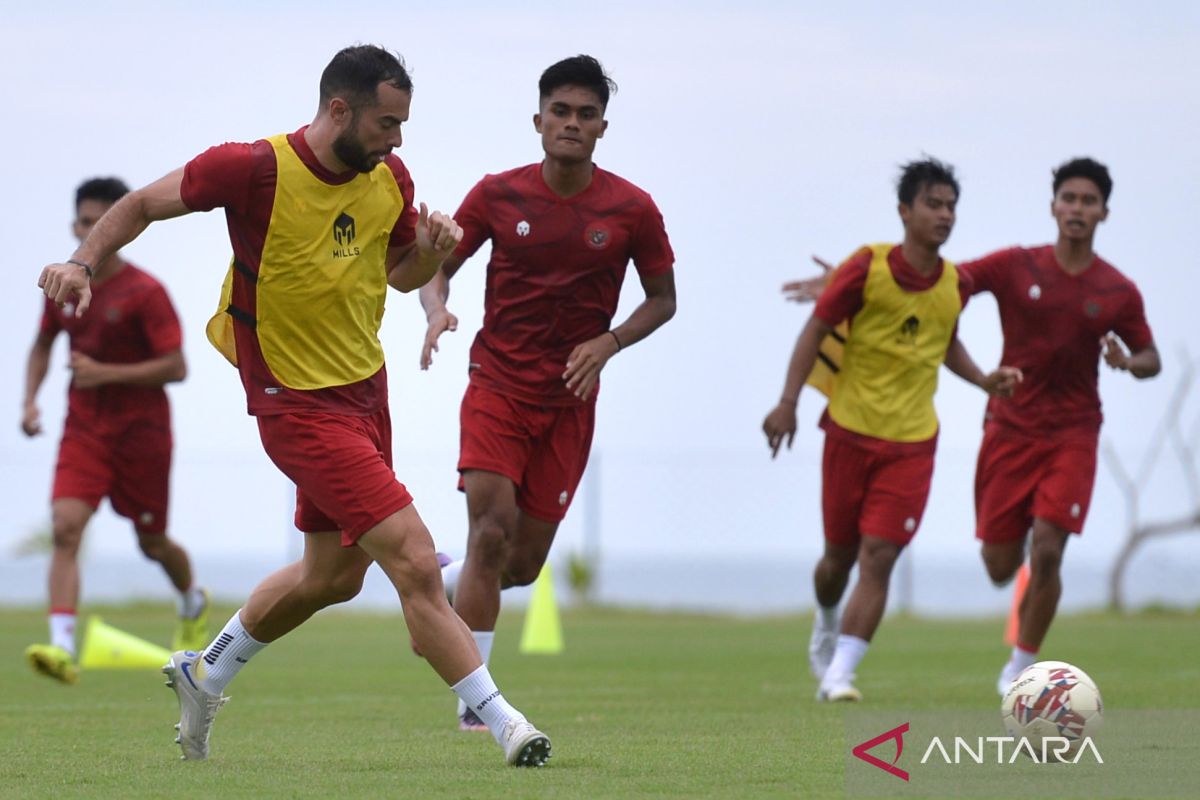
{"x":350,"y":151}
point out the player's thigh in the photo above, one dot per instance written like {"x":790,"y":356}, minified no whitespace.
{"x":341,"y":466}
{"x":1007,"y":474}
{"x":142,"y":479}
{"x":84,"y":468}
{"x":845,"y":471}
{"x":895,"y":498}
{"x":556,"y":465}
{"x":496,"y":434}
{"x":1065,"y":493}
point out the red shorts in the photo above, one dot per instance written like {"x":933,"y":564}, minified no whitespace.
{"x":872,"y":493}
{"x":133,"y":470}
{"x":342,"y":468}
{"x":541,"y":449}
{"x":1020,"y":477}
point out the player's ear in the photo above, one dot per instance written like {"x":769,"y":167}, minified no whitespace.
{"x":340,"y":111}
{"x":1104,"y":215}
{"x":537,"y":122}
{"x":603,"y":128}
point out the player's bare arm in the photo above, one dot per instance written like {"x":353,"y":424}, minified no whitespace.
{"x":1145,"y":363}
{"x":35,"y":373}
{"x":781,"y":421}
{"x":123,"y":223}
{"x":588,"y":359}
{"x":1000,"y":382}
{"x":412,"y":266}
{"x":433,"y":299}
{"x":807,"y":290}
{"x":88,"y":373}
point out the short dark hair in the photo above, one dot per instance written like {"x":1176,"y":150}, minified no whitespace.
{"x":583,"y":71}
{"x":1088,"y":168}
{"x":356,"y":72}
{"x":106,"y":190}
{"x":927,"y":171}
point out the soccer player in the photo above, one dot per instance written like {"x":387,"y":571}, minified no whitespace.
{"x":116,"y":441}
{"x":563,"y":232}
{"x":321,"y":222}
{"x":1060,"y":306}
{"x":902,"y":302}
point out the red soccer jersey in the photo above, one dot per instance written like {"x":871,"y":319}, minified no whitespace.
{"x":1052,"y":324}
{"x":555,"y":275}
{"x":240,"y":178}
{"x":131,"y":319}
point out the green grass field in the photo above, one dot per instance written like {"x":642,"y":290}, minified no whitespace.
{"x":639,"y":706}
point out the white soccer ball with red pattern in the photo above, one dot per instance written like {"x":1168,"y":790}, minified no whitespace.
{"x":1052,"y":698}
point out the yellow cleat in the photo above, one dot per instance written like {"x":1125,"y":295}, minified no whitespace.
{"x":192,"y":634}
{"x":53,"y":662}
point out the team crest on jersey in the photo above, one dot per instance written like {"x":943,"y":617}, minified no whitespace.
{"x":112,"y":314}
{"x":597,"y":237}
{"x":908,"y":331}
{"x":1091,"y":308}
{"x":522,"y":228}
{"x":1035,"y":292}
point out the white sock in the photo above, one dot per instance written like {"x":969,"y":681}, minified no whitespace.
{"x":483,"y":640}
{"x":850,"y":651}
{"x":1021,"y":658}
{"x":190,"y":603}
{"x":479,"y":691}
{"x":227,"y":654}
{"x":826,"y":618}
{"x":450,"y":574}
{"x":62,"y":630}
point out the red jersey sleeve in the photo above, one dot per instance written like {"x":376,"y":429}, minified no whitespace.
{"x":989,"y":273}
{"x":1131,"y":325}
{"x":651,"y":249}
{"x":472,"y":218}
{"x":223,"y":176}
{"x":50,"y":325}
{"x":160,"y":323}
{"x":843,"y":297}
{"x":405,"y":230}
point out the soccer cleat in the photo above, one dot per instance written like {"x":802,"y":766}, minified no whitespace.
{"x":197,"y":708}
{"x":839,"y":692}
{"x":524,"y":745}
{"x":470,"y":721}
{"x":1007,"y":676}
{"x":192,"y":634}
{"x":53,"y":662}
{"x":820,"y":651}
{"x":443,"y":561}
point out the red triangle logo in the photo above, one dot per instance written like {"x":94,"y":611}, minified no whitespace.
{"x":895,"y":733}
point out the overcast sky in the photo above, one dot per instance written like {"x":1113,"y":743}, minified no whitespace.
{"x":765,"y":132}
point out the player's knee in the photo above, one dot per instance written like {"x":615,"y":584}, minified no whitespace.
{"x":877,"y":557}
{"x":342,"y":587}
{"x":1044,"y":561}
{"x":522,"y":572}
{"x":66,"y":534}
{"x":153,"y":547}
{"x":1001,"y":572}
{"x":489,"y":542}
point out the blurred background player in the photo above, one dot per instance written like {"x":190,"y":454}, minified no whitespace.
{"x":902,"y":303}
{"x":1059,"y":307}
{"x":563,"y":232}
{"x":116,"y":440}
{"x":321,"y":222}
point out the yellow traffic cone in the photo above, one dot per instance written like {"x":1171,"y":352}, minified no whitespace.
{"x":543,"y":629}
{"x":106,"y":647}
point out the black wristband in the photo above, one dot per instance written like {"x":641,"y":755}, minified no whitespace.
{"x":86,"y":268}
{"x":615,"y":339}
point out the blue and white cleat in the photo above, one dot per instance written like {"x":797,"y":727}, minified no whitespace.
{"x":197,"y":708}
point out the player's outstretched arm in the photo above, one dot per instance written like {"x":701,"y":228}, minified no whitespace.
{"x":433,"y":299}
{"x":411,"y":267}
{"x":1000,"y":382}
{"x":781,"y":420}
{"x":123,"y":223}
{"x":35,"y":372}
{"x":1145,"y":363}
{"x":807,"y":290}
{"x":588,"y":359}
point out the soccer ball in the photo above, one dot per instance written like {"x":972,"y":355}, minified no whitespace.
{"x":1052,"y":698}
